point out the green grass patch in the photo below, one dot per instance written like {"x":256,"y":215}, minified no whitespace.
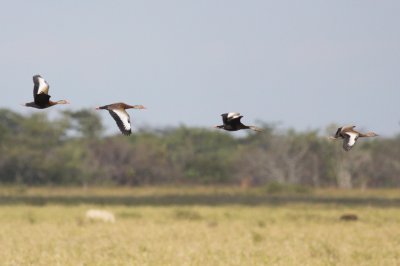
{"x":279,"y":188}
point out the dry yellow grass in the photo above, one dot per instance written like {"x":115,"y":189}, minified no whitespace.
{"x":304,"y":233}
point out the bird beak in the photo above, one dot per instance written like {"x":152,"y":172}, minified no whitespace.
{"x":332,"y":138}
{"x":97,"y":108}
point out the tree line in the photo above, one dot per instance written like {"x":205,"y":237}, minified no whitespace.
{"x":72,"y":149}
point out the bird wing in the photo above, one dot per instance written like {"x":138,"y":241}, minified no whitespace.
{"x":349,"y":140}
{"x":337,"y":134}
{"x":40,"y":91}
{"x":40,"y":86}
{"x":225,"y":118}
{"x":231,"y":118}
{"x":123,"y":120}
{"x":235,"y":121}
{"x":348,"y":127}
{"x":233,"y":115}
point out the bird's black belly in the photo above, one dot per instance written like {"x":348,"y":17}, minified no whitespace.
{"x":42,"y":100}
{"x":230,"y":128}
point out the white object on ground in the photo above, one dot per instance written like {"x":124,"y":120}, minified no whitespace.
{"x":100,"y":215}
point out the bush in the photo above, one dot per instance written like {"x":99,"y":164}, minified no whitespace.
{"x":279,"y":188}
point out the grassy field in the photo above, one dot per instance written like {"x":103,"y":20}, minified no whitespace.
{"x":198,"y":226}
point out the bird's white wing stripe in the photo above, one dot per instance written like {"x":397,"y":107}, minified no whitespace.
{"x":43,"y":86}
{"x":124,"y":116}
{"x":352,"y":138}
{"x":233,"y":115}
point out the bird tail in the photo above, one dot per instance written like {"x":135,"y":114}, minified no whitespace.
{"x":255,"y":128}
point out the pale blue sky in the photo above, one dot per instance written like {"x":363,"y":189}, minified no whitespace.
{"x":305,"y":64}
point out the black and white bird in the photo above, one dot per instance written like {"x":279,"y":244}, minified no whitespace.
{"x":231,"y":122}
{"x":118,"y":112}
{"x":41,"y":97}
{"x":350,"y":136}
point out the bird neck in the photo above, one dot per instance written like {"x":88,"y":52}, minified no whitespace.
{"x":127,"y":106}
{"x":368,"y":134}
{"x":58,"y":102}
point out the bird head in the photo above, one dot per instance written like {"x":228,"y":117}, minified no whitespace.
{"x":371,"y":134}
{"x":63,"y":102}
{"x":138,"y":107}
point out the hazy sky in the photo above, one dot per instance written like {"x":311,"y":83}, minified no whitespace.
{"x":305,"y":64}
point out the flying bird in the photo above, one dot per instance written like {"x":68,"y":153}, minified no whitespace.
{"x":118,"y":112}
{"x":350,"y":136}
{"x":41,"y":97}
{"x":231,"y":122}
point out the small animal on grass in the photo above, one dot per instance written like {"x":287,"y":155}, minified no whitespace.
{"x":231,"y":122}
{"x":349,"y":217}
{"x":350,"y":136}
{"x":41,"y":97}
{"x":118,"y":112}
{"x":100,"y":215}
